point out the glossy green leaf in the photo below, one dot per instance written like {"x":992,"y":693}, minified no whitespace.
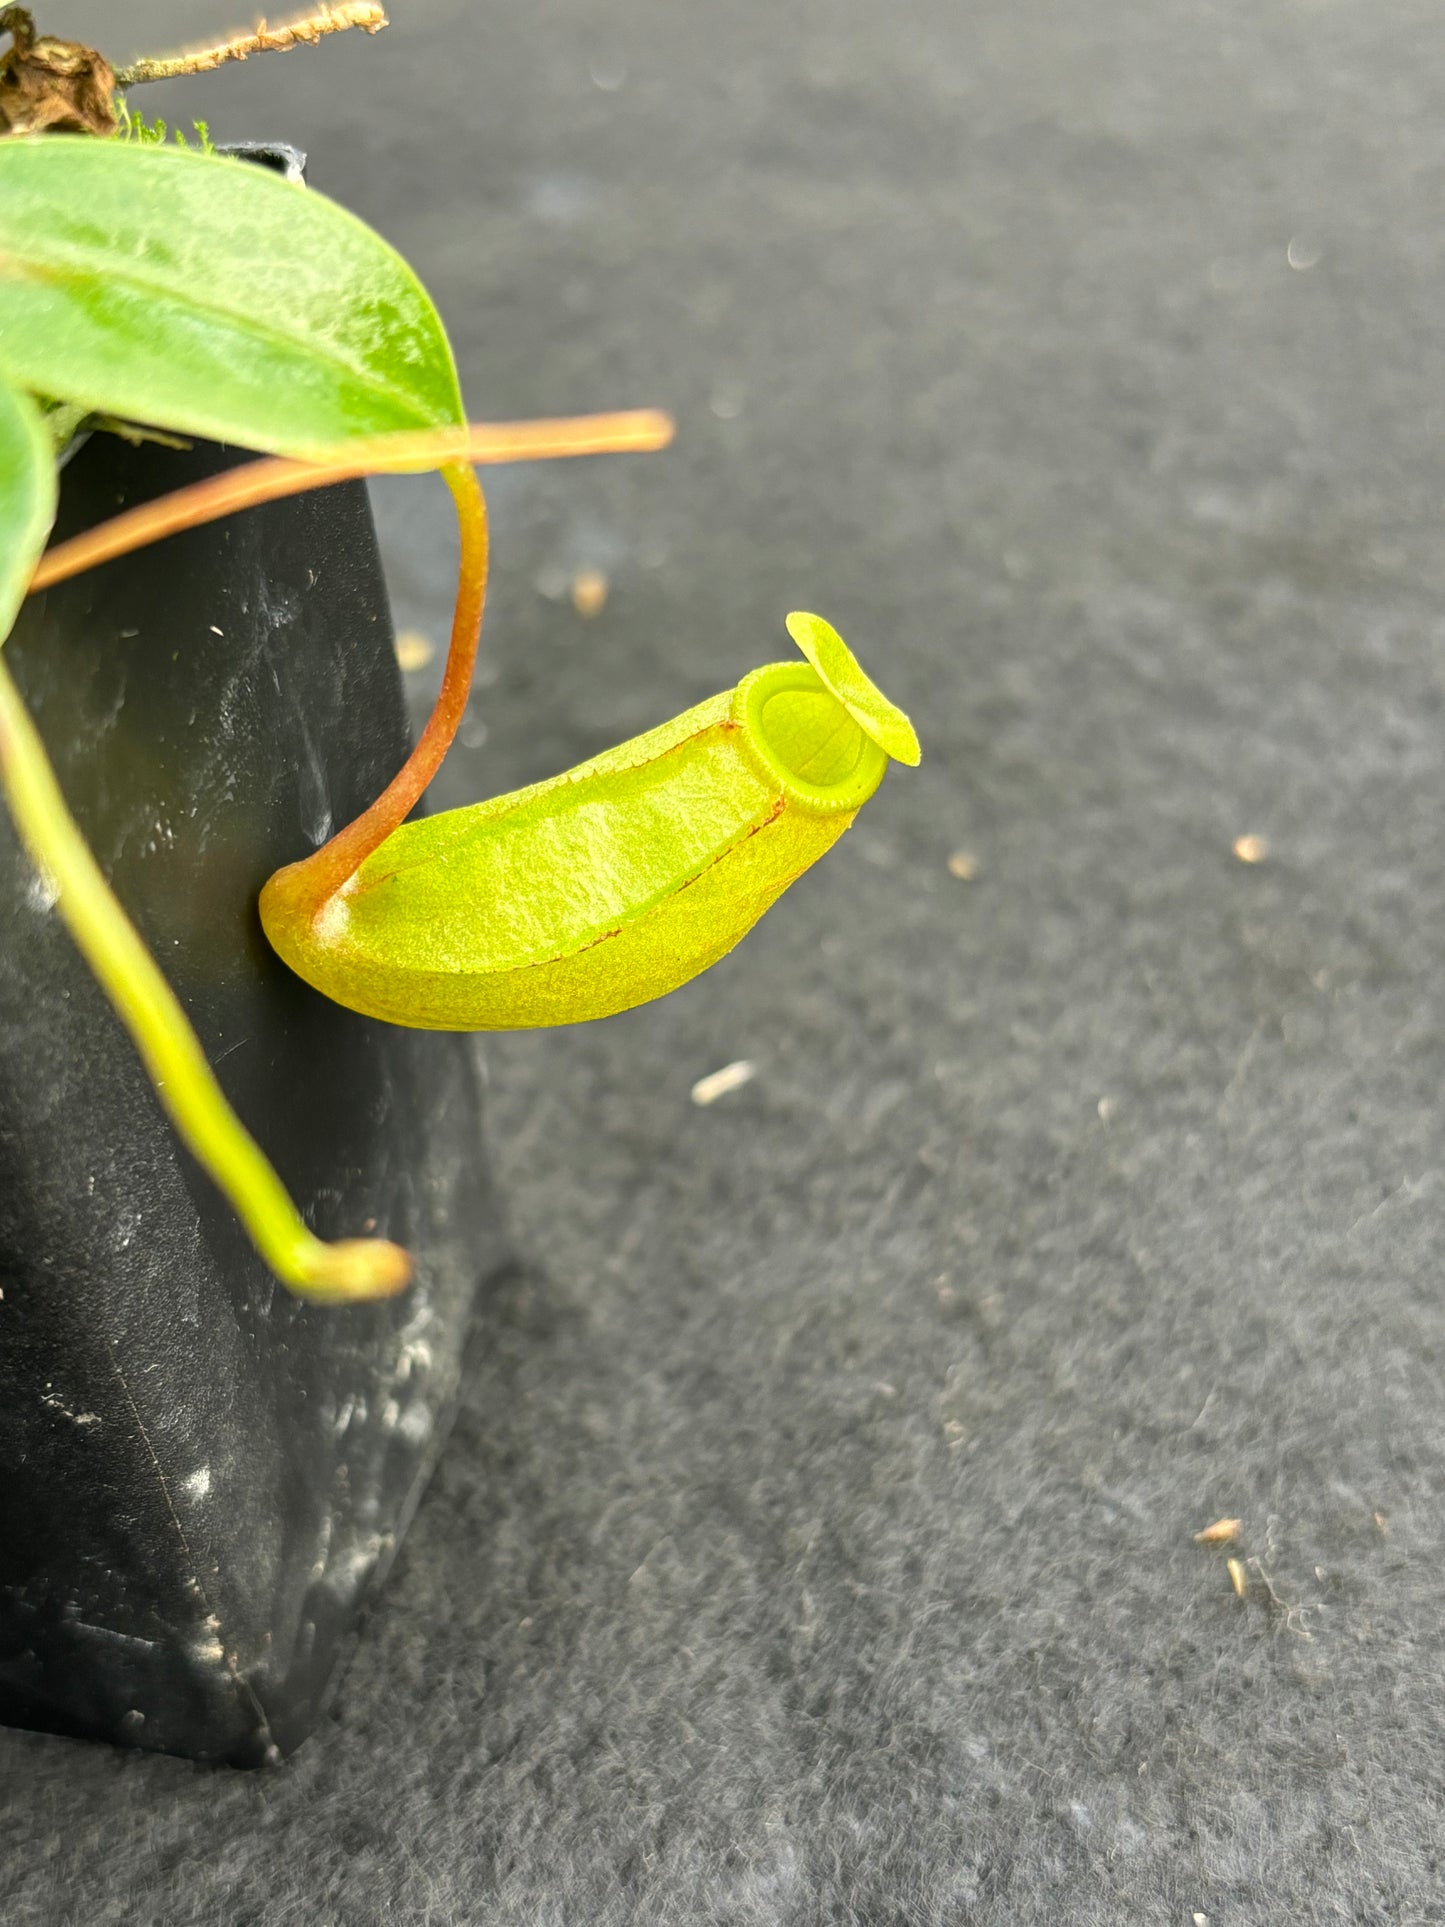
{"x":27,"y":499}
{"x":601,"y":888}
{"x":210,"y":297}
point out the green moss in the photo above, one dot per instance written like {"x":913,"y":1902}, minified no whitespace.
{"x":155,"y":133}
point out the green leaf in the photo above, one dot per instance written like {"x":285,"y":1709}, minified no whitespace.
{"x":27,"y":499}
{"x":210,"y":297}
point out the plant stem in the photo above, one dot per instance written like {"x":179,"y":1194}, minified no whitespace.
{"x":303,"y":31}
{"x":480,"y":444}
{"x":350,"y":1269}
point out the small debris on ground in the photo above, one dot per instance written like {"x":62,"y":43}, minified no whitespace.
{"x":413,"y":649}
{"x":1238,"y":1577}
{"x":1106,"y":1107}
{"x":589,"y":592}
{"x":732,"y":1077}
{"x":963,"y":864}
{"x":1294,"y":1613}
{"x":1251,"y":848}
{"x":1222,"y":1533}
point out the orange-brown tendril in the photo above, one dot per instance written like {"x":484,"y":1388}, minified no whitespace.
{"x":321,"y":875}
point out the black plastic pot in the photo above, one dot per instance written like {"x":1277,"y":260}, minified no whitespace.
{"x":204,"y":1478}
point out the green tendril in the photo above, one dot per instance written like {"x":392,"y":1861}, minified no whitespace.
{"x":348,"y":1270}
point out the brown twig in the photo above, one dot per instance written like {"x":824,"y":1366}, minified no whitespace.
{"x":304,"y":31}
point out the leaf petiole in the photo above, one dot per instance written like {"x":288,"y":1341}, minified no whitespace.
{"x":412,"y":451}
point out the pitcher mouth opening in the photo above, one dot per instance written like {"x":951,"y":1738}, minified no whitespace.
{"x":806,"y":739}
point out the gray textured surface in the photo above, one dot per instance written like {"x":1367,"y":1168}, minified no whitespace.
{"x":816,"y":1542}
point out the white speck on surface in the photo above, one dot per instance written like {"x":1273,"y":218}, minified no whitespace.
{"x":215,"y":631}
{"x":76,"y":1418}
{"x":1106,"y":1108}
{"x":42,"y":893}
{"x":1251,"y":848}
{"x":210,"y":1651}
{"x":607,"y":73}
{"x":1302,"y":255}
{"x":415,"y":1356}
{"x":198,"y":1484}
{"x":415,"y":1422}
{"x":732,"y":1077}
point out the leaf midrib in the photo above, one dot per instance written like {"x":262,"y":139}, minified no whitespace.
{"x":35,"y":269}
